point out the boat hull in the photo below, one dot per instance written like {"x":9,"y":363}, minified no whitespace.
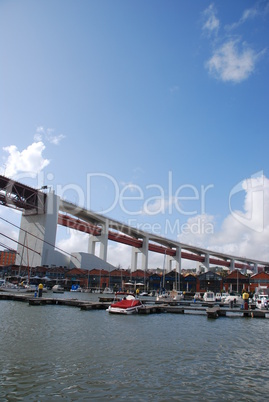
{"x":126,"y":311}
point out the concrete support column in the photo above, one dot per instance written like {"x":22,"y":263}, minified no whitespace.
{"x":91,"y":244}
{"x":168,"y":265}
{"x":255,"y":268}
{"x":145,"y":253}
{"x":206,"y":263}
{"x":102,"y":239}
{"x":135,"y":252}
{"x":178,"y":265}
{"x":232,"y":265}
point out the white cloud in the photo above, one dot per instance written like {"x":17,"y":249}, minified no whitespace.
{"x":198,"y":228}
{"x":48,"y":135}
{"x":229,"y":63}
{"x":76,"y":242}
{"x":29,"y":160}
{"x":240,"y":233}
{"x":56,"y":139}
{"x":133,"y":188}
{"x":157,"y":205}
{"x":119,"y":254}
{"x":258,"y":10}
{"x":212,"y":23}
{"x":233,"y":60}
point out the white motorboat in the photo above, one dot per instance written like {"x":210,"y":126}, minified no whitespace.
{"x":128,"y":305}
{"x":223,"y":296}
{"x":172,"y":296}
{"x":57,"y":289}
{"x":198,"y":296}
{"x":177,"y":295}
{"x":209,"y":297}
{"x":235,"y":299}
{"x":218,"y":297}
{"x":262,"y":301}
{"x":165,"y":296}
{"x":108,"y":290}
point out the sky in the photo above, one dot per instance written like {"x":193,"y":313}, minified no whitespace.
{"x":153,"y":113}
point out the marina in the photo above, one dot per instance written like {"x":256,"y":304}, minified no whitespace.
{"x":209,"y":309}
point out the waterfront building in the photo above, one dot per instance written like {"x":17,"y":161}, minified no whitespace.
{"x":209,"y":281}
{"x":77,"y":276}
{"x":154,"y":281}
{"x":257,"y":280}
{"x":7,"y":257}
{"x":189,"y":283}
{"x":236,"y":282}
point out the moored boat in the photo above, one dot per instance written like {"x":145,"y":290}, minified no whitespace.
{"x":108,"y":290}
{"x":57,"y":289}
{"x":75,"y":288}
{"x":20,"y":288}
{"x":262,"y":301}
{"x":209,"y":297}
{"x":128,"y":305}
{"x":235,"y":299}
{"x":171,"y":296}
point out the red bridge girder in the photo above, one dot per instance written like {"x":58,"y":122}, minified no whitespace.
{"x":94,"y":230}
{"x":219,"y":262}
{"x":79,"y":225}
{"x":121,"y":238}
{"x":162,"y":250}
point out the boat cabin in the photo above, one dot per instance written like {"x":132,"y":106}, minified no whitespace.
{"x":209,"y":297}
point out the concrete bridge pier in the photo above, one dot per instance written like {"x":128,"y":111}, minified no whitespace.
{"x":102,"y":239}
{"x":144,"y":251}
{"x":177,"y":258}
{"x":206,"y":263}
{"x":38,"y":234}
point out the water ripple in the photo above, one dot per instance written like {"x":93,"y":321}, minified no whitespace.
{"x":52,"y":353}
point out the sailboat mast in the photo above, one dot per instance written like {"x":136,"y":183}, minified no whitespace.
{"x":164,"y":268}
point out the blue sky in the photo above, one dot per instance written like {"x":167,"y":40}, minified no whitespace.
{"x":164,"y":102}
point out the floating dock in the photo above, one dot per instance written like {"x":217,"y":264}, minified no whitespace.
{"x":207,"y":309}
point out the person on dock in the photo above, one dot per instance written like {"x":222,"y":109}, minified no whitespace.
{"x":245,"y":299}
{"x":40,"y":290}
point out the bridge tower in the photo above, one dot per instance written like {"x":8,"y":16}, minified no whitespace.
{"x":38,"y":234}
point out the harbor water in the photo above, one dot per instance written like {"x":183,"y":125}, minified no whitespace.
{"x":61,"y":353}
